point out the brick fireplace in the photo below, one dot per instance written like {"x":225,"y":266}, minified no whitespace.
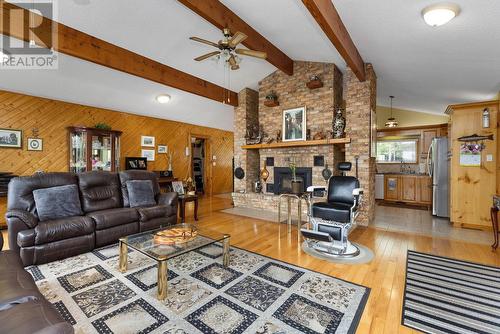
{"x":320,"y":104}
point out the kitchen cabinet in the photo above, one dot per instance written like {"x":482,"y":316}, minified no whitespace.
{"x":425,"y":188}
{"x":427,"y":136}
{"x":391,"y":187}
{"x":408,"y":188}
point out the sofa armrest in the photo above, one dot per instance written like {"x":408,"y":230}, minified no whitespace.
{"x":26,"y":217}
{"x":169,"y":199}
{"x":17,"y":221}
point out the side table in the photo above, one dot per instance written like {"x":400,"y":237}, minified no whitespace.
{"x":289,"y":197}
{"x":183,"y":199}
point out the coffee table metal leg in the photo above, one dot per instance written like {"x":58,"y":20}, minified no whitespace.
{"x":162,"y":280}
{"x":123,"y":257}
{"x":225,"y":257}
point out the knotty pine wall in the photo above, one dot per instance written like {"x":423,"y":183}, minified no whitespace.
{"x":51,"y":117}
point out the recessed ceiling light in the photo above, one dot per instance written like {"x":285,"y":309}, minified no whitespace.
{"x":437,"y":15}
{"x":163,"y":98}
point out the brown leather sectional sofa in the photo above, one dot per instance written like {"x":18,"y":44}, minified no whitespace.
{"x":107,"y":215}
{"x":23,"y":309}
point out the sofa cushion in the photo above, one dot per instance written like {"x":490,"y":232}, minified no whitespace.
{"x":140,"y":193}
{"x":156,"y":211}
{"x":128,"y":175}
{"x":113,"y":217}
{"x":57,"y":202}
{"x":99,"y":190}
{"x":60,"y":229}
{"x":338,"y":212}
{"x":16,"y":284}
{"x":20,"y":195}
{"x":36,"y":316}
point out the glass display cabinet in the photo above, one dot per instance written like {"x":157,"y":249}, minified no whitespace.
{"x":93,"y":149}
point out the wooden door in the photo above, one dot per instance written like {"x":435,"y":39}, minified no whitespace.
{"x":427,"y":136}
{"x":425,"y":188}
{"x":408,"y":188}
{"x":391,"y":188}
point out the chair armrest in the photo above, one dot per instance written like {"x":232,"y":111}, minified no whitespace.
{"x":29,"y":219}
{"x":357,"y":192}
{"x":169,"y":199}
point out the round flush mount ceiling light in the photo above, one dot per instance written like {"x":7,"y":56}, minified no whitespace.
{"x":437,"y":15}
{"x":163,"y":98}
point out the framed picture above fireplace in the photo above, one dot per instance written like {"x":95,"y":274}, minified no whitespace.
{"x":294,"y":124}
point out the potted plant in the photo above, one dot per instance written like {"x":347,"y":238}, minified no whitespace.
{"x":296,"y":184}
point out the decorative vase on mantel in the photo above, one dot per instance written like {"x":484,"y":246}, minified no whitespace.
{"x":338,"y":125}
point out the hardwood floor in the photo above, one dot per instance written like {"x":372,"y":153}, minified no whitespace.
{"x":385,"y":275}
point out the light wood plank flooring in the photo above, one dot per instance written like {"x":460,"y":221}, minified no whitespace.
{"x":385,"y":275}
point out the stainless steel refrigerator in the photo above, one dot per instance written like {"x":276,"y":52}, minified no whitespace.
{"x":438,"y":166}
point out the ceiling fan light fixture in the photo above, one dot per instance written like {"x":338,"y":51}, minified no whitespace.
{"x":163,"y":98}
{"x":440,"y":14}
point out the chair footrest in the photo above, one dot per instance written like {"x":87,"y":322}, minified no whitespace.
{"x":319,"y":236}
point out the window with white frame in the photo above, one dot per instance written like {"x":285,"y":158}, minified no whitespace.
{"x":397,"y":150}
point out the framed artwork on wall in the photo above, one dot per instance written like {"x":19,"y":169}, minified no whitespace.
{"x":294,"y":124}
{"x":35,"y":144}
{"x":148,"y":154}
{"x":162,"y":149}
{"x":147,"y":141}
{"x":10,"y":138}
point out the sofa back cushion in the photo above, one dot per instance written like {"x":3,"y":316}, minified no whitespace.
{"x":99,"y":191}
{"x":57,"y":202}
{"x":140,"y":193}
{"x":20,"y":194}
{"x":130,"y":175}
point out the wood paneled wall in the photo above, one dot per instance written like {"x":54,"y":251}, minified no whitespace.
{"x":50,"y":117}
{"x":472,"y":188}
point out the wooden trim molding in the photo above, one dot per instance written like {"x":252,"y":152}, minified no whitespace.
{"x":452,"y":107}
{"x":222,"y":17}
{"x":78,"y":44}
{"x":417,"y":127}
{"x":328,"y":18}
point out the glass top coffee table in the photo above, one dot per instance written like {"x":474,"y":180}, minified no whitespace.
{"x":162,"y":248}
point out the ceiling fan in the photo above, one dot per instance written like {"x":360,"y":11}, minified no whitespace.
{"x":227,"y":49}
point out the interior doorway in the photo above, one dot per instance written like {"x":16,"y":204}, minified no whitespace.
{"x":199,"y":164}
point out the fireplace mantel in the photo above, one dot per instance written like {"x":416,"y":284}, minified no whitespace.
{"x":297,"y":143}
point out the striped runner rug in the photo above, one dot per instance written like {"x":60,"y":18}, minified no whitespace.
{"x":444,"y":295}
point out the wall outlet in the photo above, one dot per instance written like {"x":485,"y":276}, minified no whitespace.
{"x":489,"y":157}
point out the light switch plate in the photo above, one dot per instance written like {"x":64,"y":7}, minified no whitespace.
{"x":489,"y":157}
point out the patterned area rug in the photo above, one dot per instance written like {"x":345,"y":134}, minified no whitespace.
{"x":444,"y":295}
{"x":255,"y":294}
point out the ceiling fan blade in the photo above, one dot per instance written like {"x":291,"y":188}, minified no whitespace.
{"x":237,"y":39}
{"x":208,"y":55}
{"x":204,"y":41}
{"x":251,"y":53}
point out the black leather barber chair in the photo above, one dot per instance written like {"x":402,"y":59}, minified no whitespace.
{"x":331,"y":221}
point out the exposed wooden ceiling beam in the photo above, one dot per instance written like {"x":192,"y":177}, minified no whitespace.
{"x":328,"y":18}
{"x":222,"y":17}
{"x":81,"y":45}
